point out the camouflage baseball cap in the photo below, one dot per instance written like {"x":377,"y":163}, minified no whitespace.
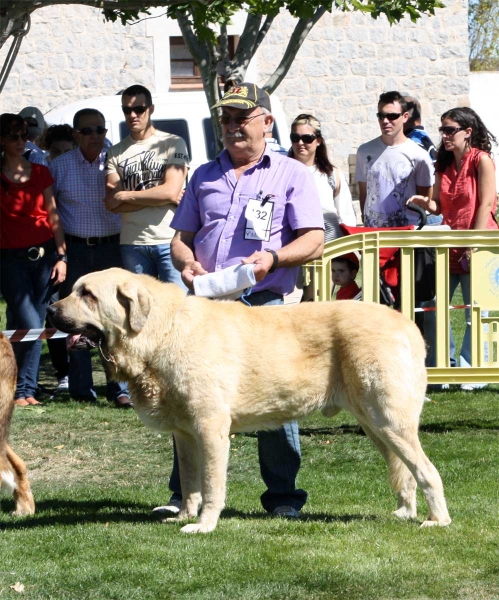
{"x":245,"y":96}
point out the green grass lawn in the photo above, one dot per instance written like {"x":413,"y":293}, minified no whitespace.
{"x":96,"y":472}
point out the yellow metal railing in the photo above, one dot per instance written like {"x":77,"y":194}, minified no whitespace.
{"x":484,"y":289}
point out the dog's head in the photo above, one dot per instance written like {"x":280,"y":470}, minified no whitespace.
{"x":103,"y":306}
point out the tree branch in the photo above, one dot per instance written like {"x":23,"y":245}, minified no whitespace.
{"x":296,"y":40}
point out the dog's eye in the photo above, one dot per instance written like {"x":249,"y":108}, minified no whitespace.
{"x":88,"y":294}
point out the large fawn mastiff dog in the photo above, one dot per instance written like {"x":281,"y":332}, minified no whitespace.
{"x":203,"y":369}
{"x":13,"y":474}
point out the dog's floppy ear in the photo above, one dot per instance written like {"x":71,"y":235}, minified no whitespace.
{"x":139,"y":304}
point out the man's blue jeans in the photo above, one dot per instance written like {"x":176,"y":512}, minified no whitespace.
{"x":26,"y":287}
{"x":151,"y":260}
{"x":278,"y":451}
{"x":430,"y":326}
{"x":84,"y":259}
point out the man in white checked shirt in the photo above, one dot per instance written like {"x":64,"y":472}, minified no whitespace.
{"x":92,"y":233}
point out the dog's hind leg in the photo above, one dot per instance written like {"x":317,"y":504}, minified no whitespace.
{"x":404,"y":442}
{"x":213,"y":443}
{"x":23,"y":497}
{"x":401,"y":479}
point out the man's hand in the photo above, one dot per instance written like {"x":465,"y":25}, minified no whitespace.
{"x":190,"y":271}
{"x":124,"y":196}
{"x":263,"y":262}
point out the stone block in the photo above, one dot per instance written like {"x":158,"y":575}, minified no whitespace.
{"x":68,"y":80}
{"x":366,"y":51}
{"x":428,"y":52}
{"x":136,"y":61}
{"x":454,"y":51}
{"x":36,"y":61}
{"x":354,"y":85}
{"x":381,"y":67}
{"x":317,"y":68}
{"x":347,"y":51}
{"x":327,"y":49}
{"x":360,"y":67}
{"x":334,"y":33}
{"x":49,"y":83}
{"x":358,"y":34}
{"x":90,"y":80}
{"x":338,"y":67}
{"x":56,"y":62}
{"x":78,"y":61}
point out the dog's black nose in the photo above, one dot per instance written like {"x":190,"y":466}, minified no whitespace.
{"x":51,"y":310}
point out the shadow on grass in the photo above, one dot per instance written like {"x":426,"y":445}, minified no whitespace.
{"x":69,"y":512}
{"x":72,"y":512}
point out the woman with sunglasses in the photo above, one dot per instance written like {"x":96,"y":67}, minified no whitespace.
{"x":33,"y":251}
{"x":465,"y":195}
{"x":308,"y":146}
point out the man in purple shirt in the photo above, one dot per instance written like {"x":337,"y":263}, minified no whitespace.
{"x":252,"y":206}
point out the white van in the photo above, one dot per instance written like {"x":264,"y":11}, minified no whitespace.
{"x":185,"y":114}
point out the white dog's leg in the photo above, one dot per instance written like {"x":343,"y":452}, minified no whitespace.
{"x":190,"y":476}
{"x":214,"y":445}
{"x":401,"y":479}
{"x":406,"y":445}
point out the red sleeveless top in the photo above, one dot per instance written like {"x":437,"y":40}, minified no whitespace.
{"x":459,"y":200}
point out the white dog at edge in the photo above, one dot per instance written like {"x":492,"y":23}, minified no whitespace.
{"x":203,"y":369}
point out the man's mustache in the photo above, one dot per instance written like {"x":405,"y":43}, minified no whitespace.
{"x":236,"y":134}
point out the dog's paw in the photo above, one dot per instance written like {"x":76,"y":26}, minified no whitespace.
{"x":404,"y":513}
{"x":442,"y":523}
{"x":198,"y":528}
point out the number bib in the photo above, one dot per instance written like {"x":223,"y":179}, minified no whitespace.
{"x":258,"y":220}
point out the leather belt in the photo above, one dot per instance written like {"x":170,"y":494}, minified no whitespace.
{"x":92,"y":241}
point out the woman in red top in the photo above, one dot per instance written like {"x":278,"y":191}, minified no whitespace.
{"x":33,"y":252}
{"x":465,"y":194}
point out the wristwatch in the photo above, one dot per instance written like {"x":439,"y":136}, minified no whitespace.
{"x":275,"y":257}
{"x":63,"y":257}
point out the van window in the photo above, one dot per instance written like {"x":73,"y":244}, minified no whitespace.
{"x":174,"y":126}
{"x":209,"y":138}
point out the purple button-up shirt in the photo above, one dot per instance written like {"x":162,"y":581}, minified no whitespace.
{"x":214,"y":204}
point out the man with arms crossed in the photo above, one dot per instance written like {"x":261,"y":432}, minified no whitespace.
{"x":391,"y":168}
{"x":215,"y":225}
{"x":92,"y":233}
{"x":145,"y":176}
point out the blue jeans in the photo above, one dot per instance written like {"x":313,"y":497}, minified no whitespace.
{"x":82,"y":260}
{"x":429,"y":325}
{"x":26,"y":287}
{"x":278,"y":451}
{"x":151,"y":260}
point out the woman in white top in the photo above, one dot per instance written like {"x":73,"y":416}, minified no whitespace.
{"x":308,"y":146}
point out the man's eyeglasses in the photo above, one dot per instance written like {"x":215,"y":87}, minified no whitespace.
{"x":389,"y":116}
{"x":449,"y":131}
{"x":306,"y":138}
{"x":138,"y":110}
{"x":99,"y":130}
{"x":14,"y":137}
{"x":226,"y":119}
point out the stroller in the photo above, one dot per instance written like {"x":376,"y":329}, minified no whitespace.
{"x":389,"y":264}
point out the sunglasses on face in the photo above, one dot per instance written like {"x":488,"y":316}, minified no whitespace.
{"x":306,"y":138}
{"x":138,"y":110}
{"x":99,"y":130}
{"x":389,"y":116}
{"x":14,"y":137}
{"x":450,"y":131}
{"x":227,"y":119}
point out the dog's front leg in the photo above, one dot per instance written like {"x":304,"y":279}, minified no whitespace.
{"x":190,"y":475}
{"x":213,"y":444}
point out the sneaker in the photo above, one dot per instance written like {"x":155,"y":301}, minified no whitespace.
{"x":286,"y":512}
{"x":62,"y":385}
{"x":471,"y":387}
{"x":170,"y":510}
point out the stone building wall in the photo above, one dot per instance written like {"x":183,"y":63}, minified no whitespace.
{"x":347,"y":60}
{"x":70,"y":53}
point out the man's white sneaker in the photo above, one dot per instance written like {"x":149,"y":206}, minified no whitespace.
{"x":286,"y":512}
{"x":170,"y":510}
